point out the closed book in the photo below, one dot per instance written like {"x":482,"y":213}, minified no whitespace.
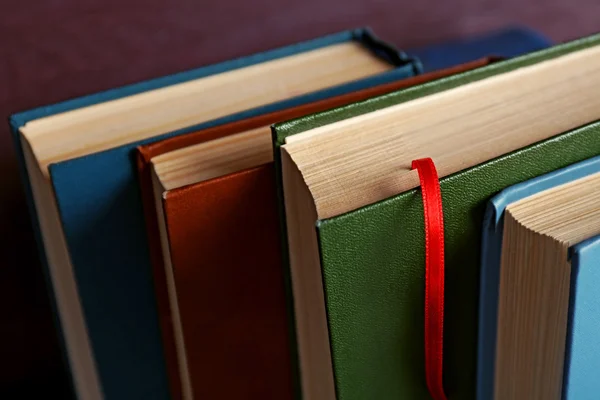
{"x":491,"y":250}
{"x":214,"y":194}
{"x":79,"y":172}
{"x":538,"y":289}
{"x":506,"y":43}
{"x":354,"y":220}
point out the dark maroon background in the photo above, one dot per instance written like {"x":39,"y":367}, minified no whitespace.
{"x":57,"y":49}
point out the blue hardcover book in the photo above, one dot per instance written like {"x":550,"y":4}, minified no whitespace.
{"x":79,"y":173}
{"x":505,"y":43}
{"x":491,"y":248}
{"x":582,"y":356}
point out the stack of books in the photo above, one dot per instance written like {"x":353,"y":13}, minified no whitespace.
{"x":255,"y":229}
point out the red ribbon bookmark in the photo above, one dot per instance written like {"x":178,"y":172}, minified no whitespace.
{"x":434,"y":275}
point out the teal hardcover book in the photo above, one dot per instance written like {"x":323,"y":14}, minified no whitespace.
{"x":80,"y":177}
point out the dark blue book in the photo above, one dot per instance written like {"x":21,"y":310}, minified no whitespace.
{"x":78,"y":168}
{"x":505,"y":43}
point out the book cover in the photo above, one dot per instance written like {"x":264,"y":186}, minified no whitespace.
{"x":536,"y":283}
{"x":230,"y":291}
{"x":376,"y":333}
{"x":101,"y":213}
{"x":491,"y":246}
{"x":582,"y":358}
{"x":226,"y":210}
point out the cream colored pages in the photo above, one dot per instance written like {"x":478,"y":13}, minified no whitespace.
{"x":215,"y":158}
{"x":569,"y":213}
{"x":187,"y":392}
{"x":365,"y":159}
{"x":532,"y":315}
{"x":312,"y":331}
{"x":133,"y":118}
{"x":535,"y":275}
{"x":78,"y":349}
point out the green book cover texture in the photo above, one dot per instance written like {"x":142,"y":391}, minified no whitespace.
{"x":373,"y":258}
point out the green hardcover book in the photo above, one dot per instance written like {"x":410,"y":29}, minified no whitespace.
{"x":354,"y":215}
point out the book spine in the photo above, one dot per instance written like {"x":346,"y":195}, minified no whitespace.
{"x":387,"y":51}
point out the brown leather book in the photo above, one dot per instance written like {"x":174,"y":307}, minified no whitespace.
{"x":228,"y":337}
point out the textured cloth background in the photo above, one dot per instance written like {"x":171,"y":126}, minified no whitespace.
{"x":52,"y":50}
